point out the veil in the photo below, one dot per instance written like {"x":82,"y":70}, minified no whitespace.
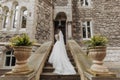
{"x":61,"y":37}
{"x":59,"y":57}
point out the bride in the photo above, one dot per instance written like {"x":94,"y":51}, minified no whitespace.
{"x":59,"y":57}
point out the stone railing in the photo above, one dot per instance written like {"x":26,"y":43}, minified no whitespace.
{"x":36,"y":62}
{"x":83,"y":62}
{"x":8,"y":43}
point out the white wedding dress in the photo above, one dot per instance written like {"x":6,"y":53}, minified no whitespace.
{"x":59,"y":57}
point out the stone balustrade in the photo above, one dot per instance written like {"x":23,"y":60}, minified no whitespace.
{"x":36,"y":62}
{"x":84,"y":62}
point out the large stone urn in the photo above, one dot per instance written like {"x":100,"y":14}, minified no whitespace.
{"x":22,"y":53}
{"x":98,"y":54}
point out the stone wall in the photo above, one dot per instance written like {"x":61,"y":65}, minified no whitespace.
{"x":9,"y":32}
{"x":44,"y":21}
{"x":105,"y":15}
{"x":61,"y":2}
{"x":76,"y":29}
{"x":112,"y":59}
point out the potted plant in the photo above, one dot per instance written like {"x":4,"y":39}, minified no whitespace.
{"x":97,"y":51}
{"x":22,"y":50}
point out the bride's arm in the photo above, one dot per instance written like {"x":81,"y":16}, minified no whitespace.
{"x":57,"y":37}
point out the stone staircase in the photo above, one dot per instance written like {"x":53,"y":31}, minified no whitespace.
{"x":3,"y":71}
{"x":47,"y":73}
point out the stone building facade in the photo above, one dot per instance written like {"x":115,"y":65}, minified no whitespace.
{"x":29,"y":16}
{"x":81,"y":19}
{"x":16,"y":17}
{"x":43,"y":21}
{"x":13,"y":13}
{"x":104,"y":16}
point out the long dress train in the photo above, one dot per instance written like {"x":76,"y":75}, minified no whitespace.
{"x":59,"y":58}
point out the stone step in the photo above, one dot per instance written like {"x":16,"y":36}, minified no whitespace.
{"x":47,"y":64}
{"x":3,"y":71}
{"x":52,"y":76}
{"x":47,"y":73}
{"x":69,"y":56}
{"x":48,"y":69}
{"x":51,"y":69}
{"x":71,"y":60}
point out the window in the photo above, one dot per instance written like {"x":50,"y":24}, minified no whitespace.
{"x":10,"y":59}
{"x":15,"y":17}
{"x":85,"y":2}
{"x":5,"y":20}
{"x":87,"y":29}
{"x":24,"y":18}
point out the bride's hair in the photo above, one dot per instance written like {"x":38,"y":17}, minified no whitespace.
{"x":58,"y":30}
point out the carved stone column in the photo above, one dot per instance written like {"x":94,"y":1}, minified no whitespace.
{"x":69,"y":25}
{"x":0,"y":21}
{"x":9,"y":20}
{"x":1,"y":17}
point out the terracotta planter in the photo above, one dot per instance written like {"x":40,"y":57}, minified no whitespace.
{"x":98,"y":54}
{"x":22,"y":53}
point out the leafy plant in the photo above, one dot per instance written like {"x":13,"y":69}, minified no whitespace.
{"x":21,"y":40}
{"x":97,"y":40}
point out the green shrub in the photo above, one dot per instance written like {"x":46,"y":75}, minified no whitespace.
{"x":21,"y":40}
{"x":97,"y":40}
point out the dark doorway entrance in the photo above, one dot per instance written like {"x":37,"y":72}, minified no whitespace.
{"x":62,"y":27}
{"x":60,"y":23}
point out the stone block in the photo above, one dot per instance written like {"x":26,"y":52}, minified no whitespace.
{"x":89,"y":76}
{"x":17,"y":77}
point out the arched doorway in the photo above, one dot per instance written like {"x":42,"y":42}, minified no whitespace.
{"x":60,"y":23}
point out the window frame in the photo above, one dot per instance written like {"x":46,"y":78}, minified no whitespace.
{"x":11,"y":57}
{"x":5,"y":19}
{"x":21,"y":18}
{"x":84,"y":3}
{"x":84,"y":24}
{"x":15,"y":16}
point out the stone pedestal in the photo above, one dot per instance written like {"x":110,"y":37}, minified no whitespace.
{"x":18,"y":77}
{"x":100,"y":76}
{"x":21,"y":53}
{"x":98,"y":54}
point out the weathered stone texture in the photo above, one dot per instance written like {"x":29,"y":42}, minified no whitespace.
{"x":105,"y":15}
{"x":26,"y":4}
{"x":44,"y":21}
{"x":61,"y":2}
{"x":5,"y":37}
{"x":76,"y":21}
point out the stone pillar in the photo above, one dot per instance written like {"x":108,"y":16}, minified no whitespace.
{"x":9,"y":20}
{"x":1,"y":18}
{"x":0,"y":21}
{"x":19,"y":21}
{"x":69,"y":25}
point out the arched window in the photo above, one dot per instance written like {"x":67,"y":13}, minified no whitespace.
{"x":86,"y":2}
{"x":15,"y":16}
{"x":5,"y":17}
{"x":24,"y":13}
